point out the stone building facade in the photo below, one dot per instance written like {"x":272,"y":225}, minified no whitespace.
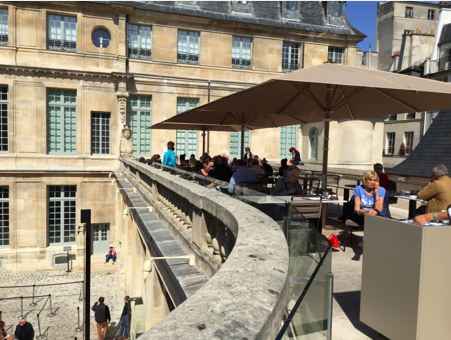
{"x":73,"y":73}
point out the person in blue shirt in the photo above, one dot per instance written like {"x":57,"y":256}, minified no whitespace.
{"x":368,"y":198}
{"x":169,"y":156}
{"x":242,"y":175}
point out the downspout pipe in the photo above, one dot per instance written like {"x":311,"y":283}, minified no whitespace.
{"x":303,"y":51}
{"x":127,"y":69}
{"x":401,"y":55}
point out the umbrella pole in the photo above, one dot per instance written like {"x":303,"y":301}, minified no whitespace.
{"x":325,"y":159}
{"x":203,"y":142}
{"x":242,"y":140}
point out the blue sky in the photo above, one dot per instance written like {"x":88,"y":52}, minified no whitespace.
{"x":362,"y":15}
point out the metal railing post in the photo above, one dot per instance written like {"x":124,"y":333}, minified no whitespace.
{"x":33,"y":304}
{"x":78,"y":329}
{"x":21,"y":307}
{"x":329,"y":305}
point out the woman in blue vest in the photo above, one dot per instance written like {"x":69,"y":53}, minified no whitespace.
{"x":169,"y":156}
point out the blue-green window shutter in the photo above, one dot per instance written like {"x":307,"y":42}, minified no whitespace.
{"x":139,"y":117}
{"x":186,"y":140}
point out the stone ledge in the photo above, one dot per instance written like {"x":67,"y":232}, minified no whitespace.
{"x":246,"y":297}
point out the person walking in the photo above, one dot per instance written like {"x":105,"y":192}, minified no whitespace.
{"x":3,"y":332}
{"x":111,"y":255}
{"x":24,"y":330}
{"x":124,"y":317}
{"x":102,"y":317}
{"x":169,"y":156}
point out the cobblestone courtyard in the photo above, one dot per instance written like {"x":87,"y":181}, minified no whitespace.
{"x":65,"y":300}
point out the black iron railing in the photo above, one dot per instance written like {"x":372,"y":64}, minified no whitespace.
{"x":241,"y":63}
{"x":187,"y":58}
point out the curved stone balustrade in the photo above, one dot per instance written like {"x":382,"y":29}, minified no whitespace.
{"x":242,"y":251}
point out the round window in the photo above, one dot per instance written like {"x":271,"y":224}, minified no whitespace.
{"x":101,"y":38}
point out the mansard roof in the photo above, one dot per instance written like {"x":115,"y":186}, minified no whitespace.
{"x":312,"y":15}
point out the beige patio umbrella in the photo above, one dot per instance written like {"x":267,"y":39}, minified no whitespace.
{"x":323,"y":93}
{"x":198,"y":127}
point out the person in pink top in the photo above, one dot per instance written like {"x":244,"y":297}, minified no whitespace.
{"x":111,"y":255}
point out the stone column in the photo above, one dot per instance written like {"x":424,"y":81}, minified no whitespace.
{"x":122,"y":97}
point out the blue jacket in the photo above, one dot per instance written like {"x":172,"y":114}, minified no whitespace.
{"x":169,"y":158}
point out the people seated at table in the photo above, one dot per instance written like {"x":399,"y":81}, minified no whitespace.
{"x":243,"y":174}
{"x":368,"y":198}
{"x":156,"y":158}
{"x":283,"y":167}
{"x":183,"y":160}
{"x":192,"y":161}
{"x":288,"y":185}
{"x":256,"y":168}
{"x":268,"y":168}
{"x":207,"y":168}
{"x":383,"y":178}
{"x":223,"y":171}
{"x":438,"y":192}
{"x":433,"y":217}
{"x":296,"y":158}
{"x":248,"y":155}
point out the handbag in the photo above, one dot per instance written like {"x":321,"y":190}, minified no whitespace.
{"x":333,"y":239}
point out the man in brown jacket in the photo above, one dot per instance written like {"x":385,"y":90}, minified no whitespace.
{"x":438,"y":191}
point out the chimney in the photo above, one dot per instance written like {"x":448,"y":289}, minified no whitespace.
{"x":432,"y":31}
{"x":418,"y":30}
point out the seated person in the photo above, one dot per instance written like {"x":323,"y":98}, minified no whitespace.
{"x":111,"y":255}
{"x":283,"y":167}
{"x":207,"y":168}
{"x":223,"y":171}
{"x":383,"y":178}
{"x":289,"y":184}
{"x":433,"y":217}
{"x":296,"y":158}
{"x":438,"y":191}
{"x":192,"y":161}
{"x":255,"y":167}
{"x":182,"y":160}
{"x":242,"y":175}
{"x":267,"y":167}
{"x":368,"y":198}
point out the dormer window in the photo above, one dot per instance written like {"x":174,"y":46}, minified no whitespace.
{"x":242,"y":7}
{"x":188,"y":4}
{"x":335,"y":8}
{"x":290,"y":10}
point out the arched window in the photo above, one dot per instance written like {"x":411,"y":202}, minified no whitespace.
{"x":314,"y":144}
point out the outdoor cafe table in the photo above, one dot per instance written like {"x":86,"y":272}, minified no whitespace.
{"x":413,"y":199}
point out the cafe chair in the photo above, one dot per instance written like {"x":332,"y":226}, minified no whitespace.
{"x":255,"y":186}
{"x":308,"y":209}
{"x":349,"y":224}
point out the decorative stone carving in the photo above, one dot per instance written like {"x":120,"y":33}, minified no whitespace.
{"x":126,"y":146}
{"x":122,"y":101}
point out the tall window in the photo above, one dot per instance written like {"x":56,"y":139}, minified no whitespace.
{"x":188,"y":47}
{"x":287,"y":140}
{"x":186,"y":142}
{"x":100,"y":133}
{"x":242,"y":53}
{"x":336,"y":55}
{"x":62,"y":214}
{"x":139,"y":117}
{"x":431,"y":14}
{"x":140,"y":41}
{"x":290,"y":57}
{"x":4,"y":217}
{"x":3,"y":26}
{"x":409,"y":12}
{"x":408,"y":137}
{"x":314,"y":144}
{"x":390,"y":143}
{"x":410,"y":115}
{"x":62,"y":121}
{"x":290,"y":10}
{"x":3,"y":118}
{"x":235,"y":143}
{"x":62,"y":33}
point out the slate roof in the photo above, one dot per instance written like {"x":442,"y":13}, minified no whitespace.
{"x":433,"y":149}
{"x":445,"y":36}
{"x":312,"y":16}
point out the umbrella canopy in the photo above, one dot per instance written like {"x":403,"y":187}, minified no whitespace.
{"x":199,"y":127}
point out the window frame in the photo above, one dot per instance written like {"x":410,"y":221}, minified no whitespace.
{"x":408,"y":142}
{"x":431,"y":11}
{"x":101,"y":29}
{"x":334,"y":52}
{"x":4,"y":41}
{"x":143,"y":56}
{"x":286,"y":140}
{"x":62,"y":105}
{"x":54,"y":257}
{"x":101,"y":131}
{"x":186,"y":133}
{"x":6,"y":130}
{"x":63,"y":206}
{"x":4,"y":206}
{"x":63,"y":35}
{"x":190,"y":58}
{"x":409,"y":115}
{"x":137,"y":138}
{"x":390,"y":143}
{"x":331,"y":5}
{"x":240,"y":64}
{"x":313,"y":156}
{"x":409,"y":12}
{"x":291,"y":46}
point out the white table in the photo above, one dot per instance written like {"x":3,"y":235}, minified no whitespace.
{"x":413,"y":199}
